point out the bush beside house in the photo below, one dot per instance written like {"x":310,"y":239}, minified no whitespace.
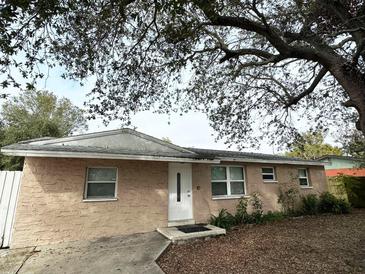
{"x":336,"y":187}
{"x":292,"y":205}
{"x":350,"y":188}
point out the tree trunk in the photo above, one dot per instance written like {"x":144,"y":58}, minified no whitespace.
{"x":353,"y":82}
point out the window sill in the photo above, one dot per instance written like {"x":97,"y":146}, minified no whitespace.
{"x":230,"y":197}
{"x":100,"y":200}
{"x":270,"y":182}
{"x":306,"y":187}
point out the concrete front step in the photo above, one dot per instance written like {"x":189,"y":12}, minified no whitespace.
{"x":174,"y":234}
{"x":182,"y":222}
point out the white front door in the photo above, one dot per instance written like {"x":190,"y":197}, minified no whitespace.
{"x":180,"y":192}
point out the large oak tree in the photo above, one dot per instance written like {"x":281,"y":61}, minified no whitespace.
{"x":244,"y":63}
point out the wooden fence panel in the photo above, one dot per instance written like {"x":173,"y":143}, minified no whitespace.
{"x":9,"y":188}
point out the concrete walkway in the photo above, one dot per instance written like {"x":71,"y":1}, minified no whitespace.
{"x":129,"y":254}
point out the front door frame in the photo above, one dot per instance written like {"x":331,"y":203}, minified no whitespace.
{"x":186,"y":192}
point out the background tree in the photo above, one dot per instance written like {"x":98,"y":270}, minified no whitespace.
{"x":166,"y":139}
{"x":245,"y":63}
{"x":353,"y":143}
{"x":35,"y":114}
{"x":310,"y":146}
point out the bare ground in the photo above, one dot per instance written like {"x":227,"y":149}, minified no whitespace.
{"x":313,"y":244}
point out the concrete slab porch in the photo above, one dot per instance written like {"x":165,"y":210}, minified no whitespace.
{"x":174,"y":234}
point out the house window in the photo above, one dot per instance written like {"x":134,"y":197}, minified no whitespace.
{"x":268,"y":174}
{"x":101,"y":183}
{"x":227,"y":181}
{"x":303,"y":177}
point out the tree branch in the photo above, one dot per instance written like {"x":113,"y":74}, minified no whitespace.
{"x":260,"y":15}
{"x":273,"y":35}
{"x":295,"y":99}
{"x":249,"y":51}
{"x":230,"y":53}
{"x":359,"y":51}
{"x":273,"y":60}
{"x":343,"y":42}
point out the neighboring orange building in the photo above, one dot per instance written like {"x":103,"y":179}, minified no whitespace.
{"x":357,"y":172}
{"x":343,"y":165}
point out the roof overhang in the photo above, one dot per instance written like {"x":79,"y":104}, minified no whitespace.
{"x":263,"y":161}
{"x":65,"y":154}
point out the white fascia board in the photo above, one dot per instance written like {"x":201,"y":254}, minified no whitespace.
{"x":284,"y":162}
{"x":65,"y":154}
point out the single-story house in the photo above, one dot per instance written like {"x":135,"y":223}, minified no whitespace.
{"x":123,"y":181}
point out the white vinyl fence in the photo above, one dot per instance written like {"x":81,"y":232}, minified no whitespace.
{"x":9,"y":188}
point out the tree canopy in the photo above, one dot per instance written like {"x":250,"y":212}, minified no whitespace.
{"x":310,"y":146}
{"x":245,"y":63}
{"x":35,"y":114}
{"x":353,"y":143}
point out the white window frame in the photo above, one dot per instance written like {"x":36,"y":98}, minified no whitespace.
{"x":228,"y":183}
{"x":273,"y":180}
{"x":306,"y":177}
{"x":114,"y":198}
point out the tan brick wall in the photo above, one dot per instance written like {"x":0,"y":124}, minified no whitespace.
{"x":50,"y":207}
{"x":287,"y":175}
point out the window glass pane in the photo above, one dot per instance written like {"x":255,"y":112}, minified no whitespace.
{"x":219,"y":188}
{"x":237,"y":188}
{"x":303,"y":181}
{"x":102,"y":174}
{"x":267,"y":176}
{"x":104,"y":190}
{"x":302,"y":173}
{"x":218,"y":173}
{"x":178,"y":187}
{"x":236,"y":173}
{"x":267,"y":170}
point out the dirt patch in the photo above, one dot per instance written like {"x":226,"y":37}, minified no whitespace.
{"x":319,"y":244}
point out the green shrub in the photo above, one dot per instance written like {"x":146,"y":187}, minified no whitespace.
{"x":310,"y":204}
{"x":328,"y":203}
{"x":224,"y":219}
{"x":241,"y":216}
{"x":257,"y":206}
{"x":343,"y":206}
{"x":273,"y":216}
{"x":288,"y":200}
{"x":355,"y":189}
{"x":349,"y":188}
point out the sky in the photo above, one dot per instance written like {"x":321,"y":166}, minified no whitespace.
{"x":189,"y":130}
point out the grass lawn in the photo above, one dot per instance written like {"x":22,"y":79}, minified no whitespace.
{"x":313,"y":244}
